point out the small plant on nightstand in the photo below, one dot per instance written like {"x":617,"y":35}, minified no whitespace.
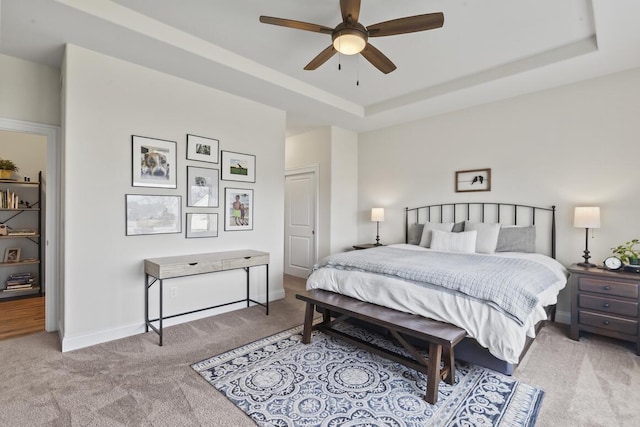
{"x":629,"y":253}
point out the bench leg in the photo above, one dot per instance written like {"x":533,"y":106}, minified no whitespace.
{"x":433,"y":373}
{"x":308,"y":324}
{"x":449,"y":365}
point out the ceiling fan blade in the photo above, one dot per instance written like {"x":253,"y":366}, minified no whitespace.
{"x":298,"y":25}
{"x":410,"y":24}
{"x":350,"y":7}
{"x":378,"y":59}
{"x":321,"y":58}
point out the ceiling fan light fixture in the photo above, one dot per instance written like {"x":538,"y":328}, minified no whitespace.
{"x":349,"y":41}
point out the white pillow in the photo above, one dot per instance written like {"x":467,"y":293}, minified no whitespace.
{"x":487,"y":239}
{"x":454,"y":242}
{"x":425,"y":241}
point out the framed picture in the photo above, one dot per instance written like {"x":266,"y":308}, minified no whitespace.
{"x":473,"y":180}
{"x":238,"y":167}
{"x":12,"y":255}
{"x":238,"y":211}
{"x":202,"y":149}
{"x":202,"y":225}
{"x":149,"y":214}
{"x":153,"y":162}
{"x":202,"y":187}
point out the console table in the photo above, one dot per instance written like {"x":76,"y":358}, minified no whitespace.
{"x":156,"y":270}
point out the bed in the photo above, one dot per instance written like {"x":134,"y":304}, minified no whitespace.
{"x":488,"y":268}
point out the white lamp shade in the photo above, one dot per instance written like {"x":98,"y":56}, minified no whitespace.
{"x":377,"y":214}
{"x":587,"y":217}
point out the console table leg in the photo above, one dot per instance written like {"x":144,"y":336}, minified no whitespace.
{"x":160,"y":312}
{"x":146,"y":303}
{"x":247,"y":270}
{"x":267,"y":296}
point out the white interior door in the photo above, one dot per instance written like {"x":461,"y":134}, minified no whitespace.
{"x":300,"y":220}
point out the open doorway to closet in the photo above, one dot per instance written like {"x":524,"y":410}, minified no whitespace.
{"x":28,"y":203}
{"x":23,"y":158}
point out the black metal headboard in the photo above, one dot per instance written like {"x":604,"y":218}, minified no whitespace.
{"x":504,"y":213}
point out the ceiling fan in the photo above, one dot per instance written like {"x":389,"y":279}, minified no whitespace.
{"x":350,"y":37}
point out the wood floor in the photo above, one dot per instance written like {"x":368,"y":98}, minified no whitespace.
{"x":21,"y":317}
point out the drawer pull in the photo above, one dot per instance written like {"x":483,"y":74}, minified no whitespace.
{"x":606,"y":305}
{"x":247,"y":257}
{"x":193,"y":263}
{"x":605,"y":322}
{"x":606,"y":288}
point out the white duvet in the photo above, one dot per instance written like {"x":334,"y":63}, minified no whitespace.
{"x":501,"y":335}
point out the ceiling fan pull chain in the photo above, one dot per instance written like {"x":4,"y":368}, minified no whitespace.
{"x":358,"y":71}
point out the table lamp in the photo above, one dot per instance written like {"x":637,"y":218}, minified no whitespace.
{"x":586,"y":217}
{"x":377,"y":215}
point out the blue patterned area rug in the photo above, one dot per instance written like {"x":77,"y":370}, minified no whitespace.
{"x":278,"y":381}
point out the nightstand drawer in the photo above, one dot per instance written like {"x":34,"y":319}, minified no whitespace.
{"x":608,"y":305}
{"x":610,"y":323}
{"x":609,"y":287}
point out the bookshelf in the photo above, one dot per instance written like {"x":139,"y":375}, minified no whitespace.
{"x":20,"y":239}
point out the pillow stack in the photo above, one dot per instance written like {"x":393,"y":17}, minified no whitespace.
{"x":474,"y":237}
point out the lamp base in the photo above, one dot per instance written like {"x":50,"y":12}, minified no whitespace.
{"x":586,"y":264}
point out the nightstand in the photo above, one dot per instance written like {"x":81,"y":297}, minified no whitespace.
{"x":606,"y":303}
{"x":366,"y":246}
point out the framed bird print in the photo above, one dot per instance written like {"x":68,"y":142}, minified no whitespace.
{"x":473,"y":180}
{"x":238,"y":167}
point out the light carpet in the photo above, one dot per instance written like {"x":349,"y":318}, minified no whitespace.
{"x":278,"y":381}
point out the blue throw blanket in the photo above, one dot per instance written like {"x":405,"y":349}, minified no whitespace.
{"x":510,"y":285}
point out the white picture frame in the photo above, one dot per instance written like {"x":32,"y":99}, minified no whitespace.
{"x":153,"y":162}
{"x":202,"y":149}
{"x":152,"y":214}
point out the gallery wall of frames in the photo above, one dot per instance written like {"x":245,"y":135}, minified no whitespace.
{"x":213,"y":188}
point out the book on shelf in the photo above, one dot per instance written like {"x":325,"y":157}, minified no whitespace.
{"x":20,"y":286}
{"x":21,"y":232}
{"x":31,"y":288}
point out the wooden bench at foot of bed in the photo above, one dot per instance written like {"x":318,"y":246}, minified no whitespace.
{"x":442,"y":337}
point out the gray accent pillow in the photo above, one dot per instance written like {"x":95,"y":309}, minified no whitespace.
{"x":415,"y":234}
{"x":458,"y":227}
{"x":487,"y":239}
{"x":517,"y":239}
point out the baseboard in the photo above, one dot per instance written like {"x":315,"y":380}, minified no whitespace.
{"x":563,"y":317}
{"x":75,"y":343}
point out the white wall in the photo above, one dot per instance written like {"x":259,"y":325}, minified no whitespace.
{"x":108,"y":100}
{"x":344,"y":189}
{"x":29,"y":91}
{"x":310,"y":149}
{"x":568,"y":146}
{"x":28,"y":152}
{"x":335,"y":152}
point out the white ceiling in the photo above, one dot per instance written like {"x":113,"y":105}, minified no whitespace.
{"x":486,"y":50}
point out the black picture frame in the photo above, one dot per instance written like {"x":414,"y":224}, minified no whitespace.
{"x":238,"y":167}
{"x":202,"y":149}
{"x":238,"y":217}
{"x":153,"y":162}
{"x":152,"y":214}
{"x":202,"y":187}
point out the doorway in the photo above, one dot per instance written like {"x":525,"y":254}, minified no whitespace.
{"x":50,"y":225}
{"x":301,"y":203}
